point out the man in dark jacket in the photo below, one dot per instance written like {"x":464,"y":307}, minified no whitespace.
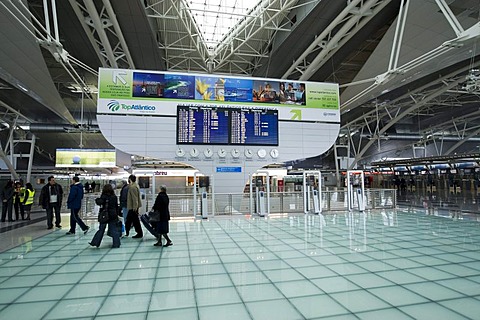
{"x":74,"y":203}
{"x":7,"y":201}
{"x":51,"y":200}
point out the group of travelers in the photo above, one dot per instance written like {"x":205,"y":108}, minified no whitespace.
{"x":128,"y":211}
{"x":18,"y":198}
{"x":122,"y":213}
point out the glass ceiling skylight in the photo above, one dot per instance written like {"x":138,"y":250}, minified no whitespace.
{"x":216,"y":18}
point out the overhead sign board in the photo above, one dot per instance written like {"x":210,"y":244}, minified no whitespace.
{"x":123,"y":91}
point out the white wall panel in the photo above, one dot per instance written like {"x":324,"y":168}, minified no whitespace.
{"x":155,"y":136}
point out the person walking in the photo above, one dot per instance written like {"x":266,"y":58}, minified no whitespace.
{"x":123,"y":204}
{"x":133,"y":205}
{"x":51,"y":200}
{"x":28,"y":199}
{"x":107,"y":201}
{"x":162,"y":226}
{"x":7,"y":201}
{"x":74,"y":203}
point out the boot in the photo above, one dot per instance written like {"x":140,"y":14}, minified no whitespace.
{"x":159,"y":242}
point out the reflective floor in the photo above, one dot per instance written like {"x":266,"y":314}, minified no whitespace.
{"x":400,"y":264}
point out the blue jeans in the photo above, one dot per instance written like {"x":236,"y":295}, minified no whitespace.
{"x":74,"y":219}
{"x":124,"y":214}
{"x":97,"y":238}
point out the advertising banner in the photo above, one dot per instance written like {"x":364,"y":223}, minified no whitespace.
{"x":123,"y":91}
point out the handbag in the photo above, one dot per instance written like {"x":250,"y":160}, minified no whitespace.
{"x":118,"y":226}
{"x":154,"y":216}
{"x":103,"y":216}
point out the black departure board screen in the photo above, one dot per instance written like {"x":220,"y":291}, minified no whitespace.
{"x":235,"y":126}
{"x":201,"y":125}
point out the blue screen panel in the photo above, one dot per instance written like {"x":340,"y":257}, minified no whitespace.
{"x":202,"y":125}
{"x":148,"y":84}
{"x":179,"y":86}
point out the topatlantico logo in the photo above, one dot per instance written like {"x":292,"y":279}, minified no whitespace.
{"x":114,"y":106}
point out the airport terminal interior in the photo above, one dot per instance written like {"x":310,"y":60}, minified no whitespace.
{"x":322,"y":158}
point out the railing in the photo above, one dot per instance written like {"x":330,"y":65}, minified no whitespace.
{"x":181,"y":205}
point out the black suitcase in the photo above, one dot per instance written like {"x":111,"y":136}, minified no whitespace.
{"x":146,"y":222}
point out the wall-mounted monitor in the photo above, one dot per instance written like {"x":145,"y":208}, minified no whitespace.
{"x":202,"y":125}
{"x":85,"y":158}
{"x":227,"y":126}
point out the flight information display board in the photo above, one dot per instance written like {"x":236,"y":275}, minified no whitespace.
{"x":225,"y":126}
{"x":199,"y":125}
{"x":254,"y":127}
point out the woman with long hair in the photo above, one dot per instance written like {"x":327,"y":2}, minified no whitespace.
{"x":108,"y":201}
{"x":161,"y":226}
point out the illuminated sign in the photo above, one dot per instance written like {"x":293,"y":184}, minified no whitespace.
{"x":85,"y":158}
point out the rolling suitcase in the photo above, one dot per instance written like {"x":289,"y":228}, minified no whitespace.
{"x":146,"y":222}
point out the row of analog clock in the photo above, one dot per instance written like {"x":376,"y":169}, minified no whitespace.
{"x":222,"y":153}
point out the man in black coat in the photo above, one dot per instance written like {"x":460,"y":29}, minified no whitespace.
{"x":51,"y":200}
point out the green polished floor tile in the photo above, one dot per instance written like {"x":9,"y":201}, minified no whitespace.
{"x":283,"y":275}
{"x":279,"y":309}
{"x":253,"y":269}
{"x":88,"y":290}
{"x":230,"y":311}
{"x":212,"y":281}
{"x":207,"y":268}
{"x":9,"y":295}
{"x":258,"y":292}
{"x":124,"y":304}
{"x":181,"y":271}
{"x":177,"y":314}
{"x":46,"y":293}
{"x":101,"y":276}
{"x":173,"y":284}
{"x":318,"y":306}
{"x":249,"y":277}
{"x":132,"y":287}
{"x":11,"y":271}
{"x":334,"y":284}
{"x":172,"y":300}
{"x":215,"y":296}
{"x":368,"y":280}
{"x":22,"y":281}
{"x":125,"y":316}
{"x":431,"y":311}
{"x":241,"y":267}
{"x":27,"y":311}
{"x":397,"y":296}
{"x":67,"y":308}
{"x":433,"y":291}
{"x":316,"y":272}
{"x":61,"y":278}
{"x":462,"y":285}
{"x":358,"y":301}
{"x":298,"y":288}
{"x":137,"y":274}
{"x":468,"y":307}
